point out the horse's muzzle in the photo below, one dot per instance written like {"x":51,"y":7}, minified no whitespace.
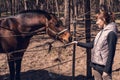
{"x":70,"y":39}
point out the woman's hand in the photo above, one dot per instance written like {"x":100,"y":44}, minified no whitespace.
{"x":104,"y":74}
{"x":74,"y":42}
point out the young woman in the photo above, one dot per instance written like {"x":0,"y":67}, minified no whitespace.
{"x":103,"y":46}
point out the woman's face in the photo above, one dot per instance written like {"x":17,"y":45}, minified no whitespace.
{"x":100,"y":23}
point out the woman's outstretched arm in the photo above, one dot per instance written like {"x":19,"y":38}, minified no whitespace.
{"x":84,"y":45}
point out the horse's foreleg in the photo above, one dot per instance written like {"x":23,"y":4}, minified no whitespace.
{"x":11,"y":69}
{"x":18,"y":69}
{"x":18,"y":66}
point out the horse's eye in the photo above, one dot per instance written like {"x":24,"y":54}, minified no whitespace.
{"x":57,"y":25}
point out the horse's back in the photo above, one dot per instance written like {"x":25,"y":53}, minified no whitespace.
{"x":40,"y":12}
{"x":33,"y":18}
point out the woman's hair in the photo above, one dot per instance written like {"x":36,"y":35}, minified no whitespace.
{"x":105,"y":14}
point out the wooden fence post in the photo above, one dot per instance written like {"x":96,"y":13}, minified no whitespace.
{"x":74,"y":38}
{"x":74,"y":50}
{"x":88,"y":36}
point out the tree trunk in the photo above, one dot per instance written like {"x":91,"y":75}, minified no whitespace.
{"x":14,"y":7}
{"x":53,"y":8}
{"x":25,"y":4}
{"x":0,"y":12}
{"x":48,"y":6}
{"x":18,"y":6}
{"x":67,"y":14}
{"x":72,"y":6}
{"x":37,"y":6}
{"x":7,"y":7}
{"x":97,"y":2}
{"x":56,"y":2}
{"x":102,"y":2}
{"x":116,"y":4}
{"x":88,"y":37}
{"x":75,"y":9}
{"x":11,"y":9}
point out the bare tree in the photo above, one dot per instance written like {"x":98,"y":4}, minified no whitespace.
{"x":116,"y":5}
{"x":37,"y":5}
{"x":11,"y":9}
{"x":102,"y":2}
{"x":88,"y":37}
{"x":97,"y":2}
{"x":25,"y":4}
{"x":67,"y":13}
{"x":0,"y":12}
{"x":57,"y":7}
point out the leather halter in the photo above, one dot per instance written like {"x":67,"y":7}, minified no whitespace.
{"x":55,"y":33}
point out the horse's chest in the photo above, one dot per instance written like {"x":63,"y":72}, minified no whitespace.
{"x":8,"y":40}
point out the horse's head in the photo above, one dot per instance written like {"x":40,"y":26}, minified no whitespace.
{"x":56,"y":29}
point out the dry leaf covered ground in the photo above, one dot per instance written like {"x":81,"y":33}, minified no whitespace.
{"x":38,"y":64}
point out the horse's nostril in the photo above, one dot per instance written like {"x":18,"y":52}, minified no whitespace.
{"x":70,"y":39}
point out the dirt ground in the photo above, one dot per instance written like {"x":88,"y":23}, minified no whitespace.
{"x":38,"y":64}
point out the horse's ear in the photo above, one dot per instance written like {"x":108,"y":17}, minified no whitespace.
{"x":5,"y":23}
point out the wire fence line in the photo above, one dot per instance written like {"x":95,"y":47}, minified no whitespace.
{"x":60,"y":63}
{"x":31,"y":49}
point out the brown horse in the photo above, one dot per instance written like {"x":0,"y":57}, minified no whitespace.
{"x":16,"y":32}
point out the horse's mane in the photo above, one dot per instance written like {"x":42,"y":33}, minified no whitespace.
{"x":37,"y":11}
